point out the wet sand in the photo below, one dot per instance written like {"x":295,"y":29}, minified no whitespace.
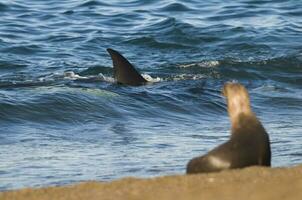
{"x":255,"y":183}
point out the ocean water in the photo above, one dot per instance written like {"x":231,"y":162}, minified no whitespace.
{"x":63,"y":119}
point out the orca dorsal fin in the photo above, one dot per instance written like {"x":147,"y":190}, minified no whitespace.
{"x":124,"y":71}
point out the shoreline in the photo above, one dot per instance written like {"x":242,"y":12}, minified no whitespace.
{"x":248,"y":183}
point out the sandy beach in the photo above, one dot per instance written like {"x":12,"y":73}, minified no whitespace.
{"x":249,"y":183}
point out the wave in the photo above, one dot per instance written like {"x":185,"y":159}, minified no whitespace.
{"x":229,"y":68}
{"x":91,"y":3}
{"x":23,"y":49}
{"x":3,"y":7}
{"x":203,"y":64}
{"x":11,"y":65}
{"x":154,"y":43}
{"x":176,"y":7}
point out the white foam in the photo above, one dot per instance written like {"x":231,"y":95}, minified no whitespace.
{"x":100,"y":77}
{"x":106,"y":78}
{"x":204,"y":64}
{"x":188,"y":77}
{"x":150,"y":79}
{"x":73,"y":76}
{"x":70,"y":75}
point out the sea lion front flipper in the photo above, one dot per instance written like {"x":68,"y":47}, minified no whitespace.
{"x":124,"y":71}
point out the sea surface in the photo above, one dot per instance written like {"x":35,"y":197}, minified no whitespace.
{"x":64,"y":120}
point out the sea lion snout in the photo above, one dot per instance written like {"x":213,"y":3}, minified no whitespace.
{"x":231,"y":88}
{"x":237,"y":98}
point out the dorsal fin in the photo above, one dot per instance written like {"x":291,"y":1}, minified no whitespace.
{"x":124,"y":71}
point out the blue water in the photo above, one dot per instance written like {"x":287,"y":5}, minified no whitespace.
{"x":63,"y":120}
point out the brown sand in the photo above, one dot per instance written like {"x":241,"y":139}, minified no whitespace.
{"x":246,"y":184}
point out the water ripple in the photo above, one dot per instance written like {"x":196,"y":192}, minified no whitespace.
{"x":61,"y":110}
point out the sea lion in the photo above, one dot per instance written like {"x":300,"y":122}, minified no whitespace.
{"x":124,"y":72}
{"x":249,"y":142}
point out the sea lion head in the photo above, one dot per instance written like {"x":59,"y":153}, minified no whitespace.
{"x":238,"y":101}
